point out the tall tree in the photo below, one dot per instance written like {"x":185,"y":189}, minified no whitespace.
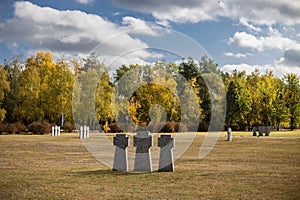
{"x":103,"y":98}
{"x":4,"y":88}
{"x":292,"y":98}
{"x":14,"y":66}
{"x":238,"y":101}
{"x":280,"y":110}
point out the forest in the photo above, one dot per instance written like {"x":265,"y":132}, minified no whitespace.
{"x":43,"y":90}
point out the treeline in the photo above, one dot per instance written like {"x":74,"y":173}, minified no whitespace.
{"x":81,"y":91}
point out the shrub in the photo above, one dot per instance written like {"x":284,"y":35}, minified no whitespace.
{"x":39,"y":127}
{"x":114,"y":128}
{"x":3,"y":127}
{"x":12,"y":128}
{"x":69,"y":127}
{"x":20,"y":127}
{"x":170,"y":127}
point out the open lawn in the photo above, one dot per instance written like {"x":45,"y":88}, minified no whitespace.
{"x":45,"y":167}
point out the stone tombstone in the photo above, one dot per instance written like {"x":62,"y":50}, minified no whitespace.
{"x":254,"y":131}
{"x":263,"y":129}
{"x":142,"y":141}
{"x":229,"y":134}
{"x":121,"y":142}
{"x":166,"y":161}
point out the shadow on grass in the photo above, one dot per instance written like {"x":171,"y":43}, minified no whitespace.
{"x":111,"y":172}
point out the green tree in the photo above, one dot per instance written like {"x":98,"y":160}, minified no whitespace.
{"x":280,"y":110}
{"x":103,"y":99}
{"x":14,"y":67}
{"x":4,"y":89}
{"x":292,"y":98}
{"x":85,"y":87}
{"x":238,"y":101}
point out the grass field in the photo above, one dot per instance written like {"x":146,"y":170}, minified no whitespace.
{"x":45,"y":167}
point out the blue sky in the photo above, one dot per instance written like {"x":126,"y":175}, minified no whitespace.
{"x":237,"y":34}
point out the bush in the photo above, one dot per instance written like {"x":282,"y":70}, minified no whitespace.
{"x":170,"y":127}
{"x":39,"y":127}
{"x":114,"y":128}
{"x":20,"y":127}
{"x":12,"y":128}
{"x":69,"y":127}
{"x":3,"y":127}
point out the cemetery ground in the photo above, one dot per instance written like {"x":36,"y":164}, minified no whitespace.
{"x":45,"y":167}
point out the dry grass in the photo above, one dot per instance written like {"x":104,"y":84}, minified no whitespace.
{"x":44,"y":167}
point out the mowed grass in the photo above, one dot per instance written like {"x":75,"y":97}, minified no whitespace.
{"x":45,"y":167}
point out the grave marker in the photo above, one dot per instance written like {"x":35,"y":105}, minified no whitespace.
{"x":166,"y":162}
{"x":121,"y":142}
{"x":254,"y":131}
{"x":142,"y":141}
{"x":263,"y":129}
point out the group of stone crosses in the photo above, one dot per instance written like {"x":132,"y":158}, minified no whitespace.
{"x":142,"y":163}
{"x":261,"y":130}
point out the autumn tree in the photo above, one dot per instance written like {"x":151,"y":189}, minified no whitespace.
{"x":292,"y":98}
{"x":238,"y":100}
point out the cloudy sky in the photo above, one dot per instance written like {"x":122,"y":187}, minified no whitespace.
{"x":237,"y":34}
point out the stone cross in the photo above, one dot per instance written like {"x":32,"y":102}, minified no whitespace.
{"x":121,"y":142}
{"x":166,"y":162}
{"x":142,"y":141}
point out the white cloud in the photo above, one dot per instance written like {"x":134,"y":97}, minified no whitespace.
{"x":278,"y":70}
{"x":249,"y":26}
{"x":176,"y":10}
{"x":273,"y":41}
{"x":85,"y":1}
{"x":67,"y":32}
{"x":291,"y":57}
{"x":136,"y":25}
{"x":237,"y":55}
{"x":265,"y":12}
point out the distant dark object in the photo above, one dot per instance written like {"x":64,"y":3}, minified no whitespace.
{"x":261,"y":131}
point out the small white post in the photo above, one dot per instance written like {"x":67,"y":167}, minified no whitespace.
{"x":55,"y":134}
{"x":52,"y":133}
{"x":87,"y":132}
{"x":81,"y":132}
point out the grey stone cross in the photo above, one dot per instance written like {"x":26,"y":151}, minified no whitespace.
{"x":166,"y":144}
{"x":121,"y":142}
{"x":142,"y":141}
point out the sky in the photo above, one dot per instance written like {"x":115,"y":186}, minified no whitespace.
{"x":236,"y":34}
